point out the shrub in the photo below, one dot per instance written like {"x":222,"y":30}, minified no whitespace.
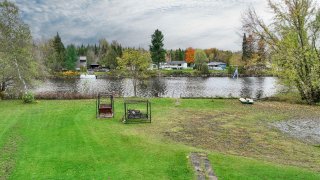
{"x":2,"y":95}
{"x":64,"y":95}
{"x":28,"y":98}
{"x":83,"y":69}
{"x":204,"y":69}
{"x":70,"y":73}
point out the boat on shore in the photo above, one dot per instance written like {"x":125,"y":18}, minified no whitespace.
{"x":86,"y":76}
{"x":246,"y":101}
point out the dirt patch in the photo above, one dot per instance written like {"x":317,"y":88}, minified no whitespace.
{"x":211,"y":131}
{"x":306,"y":130}
{"x":202,"y":166}
{"x":244,"y":132}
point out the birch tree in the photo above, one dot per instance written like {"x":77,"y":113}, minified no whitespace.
{"x":17,"y":65}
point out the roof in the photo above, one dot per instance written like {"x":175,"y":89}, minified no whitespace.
{"x":176,"y":62}
{"x":83,"y":58}
{"x":216,"y":63}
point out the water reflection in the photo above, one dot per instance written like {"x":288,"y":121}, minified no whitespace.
{"x":259,"y":91}
{"x":246,"y":87}
{"x":168,"y":87}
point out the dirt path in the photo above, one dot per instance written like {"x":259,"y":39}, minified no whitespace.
{"x":202,"y":166}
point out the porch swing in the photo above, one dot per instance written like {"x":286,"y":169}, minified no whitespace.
{"x":105,"y":106}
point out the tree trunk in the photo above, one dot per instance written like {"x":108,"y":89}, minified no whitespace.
{"x":2,"y":89}
{"x":135,"y":86}
{"x":20,"y":77}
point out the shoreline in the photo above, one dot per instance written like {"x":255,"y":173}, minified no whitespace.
{"x":166,"y":76}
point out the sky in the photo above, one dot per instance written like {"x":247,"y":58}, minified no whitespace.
{"x":184,"y":23}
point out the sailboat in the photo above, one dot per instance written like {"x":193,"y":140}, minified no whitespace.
{"x":236,"y":73}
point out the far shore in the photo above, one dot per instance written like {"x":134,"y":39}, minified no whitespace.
{"x":106,"y":75}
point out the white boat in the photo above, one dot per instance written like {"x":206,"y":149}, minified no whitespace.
{"x":246,"y":101}
{"x":86,"y":76}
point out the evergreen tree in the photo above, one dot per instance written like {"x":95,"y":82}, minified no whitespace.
{"x":156,"y":48}
{"x":171,"y":55}
{"x":181,"y":55}
{"x":60,"y":52}
{"x":245,"y":55}
{"x":82,"y":50}
{"x":176,"y":55}
{"x":71,"y":57}
{"x":96,"y":50}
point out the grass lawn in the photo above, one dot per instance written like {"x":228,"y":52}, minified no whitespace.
{"x":64,"y":140}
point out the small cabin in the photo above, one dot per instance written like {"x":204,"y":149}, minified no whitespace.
{"x":82,"y":62}
{"x":217,"y":66}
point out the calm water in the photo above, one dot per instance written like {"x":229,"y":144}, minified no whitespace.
{"x":169,"y":87}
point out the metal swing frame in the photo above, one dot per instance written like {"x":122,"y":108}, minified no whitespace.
{"x":136,"y":116}
{"x":104,"y":110}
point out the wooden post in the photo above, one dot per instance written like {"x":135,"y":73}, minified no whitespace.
{"x":150,"y":112}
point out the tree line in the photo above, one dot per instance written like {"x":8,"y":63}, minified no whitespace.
{"x":57,"y":57}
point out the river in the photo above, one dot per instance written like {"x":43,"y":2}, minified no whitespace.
{"x":168,"y":87}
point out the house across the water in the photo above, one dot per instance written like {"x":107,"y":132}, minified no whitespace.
{"x":217,"y":66}
{"x":82,"y":62}
{"x":174,"y":65}
{"x":94,"y":66}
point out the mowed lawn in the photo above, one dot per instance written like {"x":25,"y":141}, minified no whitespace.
{"x":64,"y":140}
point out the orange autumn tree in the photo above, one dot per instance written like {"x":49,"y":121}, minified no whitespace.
{"x":190,"y":55}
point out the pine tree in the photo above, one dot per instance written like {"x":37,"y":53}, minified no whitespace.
{"x":245,"y":55}
{"x":181,"y":55}
{"x":96,"y":50}
{"x":60,"y":50}
{"x":71,"y":57}
{"x":156,"y":48}
{"x":171,"y":55}
{"x":176,"y":55}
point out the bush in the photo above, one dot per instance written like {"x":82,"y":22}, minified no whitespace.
{"x":28,"y":98}
{"x":64,"y":95}
{"x":2,"y":95}
{"x":70,"y":73}
{"x":204,"y":69}
{"x":83,"y":69}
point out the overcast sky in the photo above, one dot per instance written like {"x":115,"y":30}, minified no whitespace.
{"x":184,"y":23}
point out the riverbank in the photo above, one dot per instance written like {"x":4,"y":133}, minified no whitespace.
{"x":164,"y":73}
{"x":63,"y":139}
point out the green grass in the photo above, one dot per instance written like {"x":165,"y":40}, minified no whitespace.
{"x":64,"y":140}
{"x":233,"y":167}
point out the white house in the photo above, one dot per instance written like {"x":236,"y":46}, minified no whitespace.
{"x":174,"y":65}
{"x":217,"y":66}
{"x":82,"y":62}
